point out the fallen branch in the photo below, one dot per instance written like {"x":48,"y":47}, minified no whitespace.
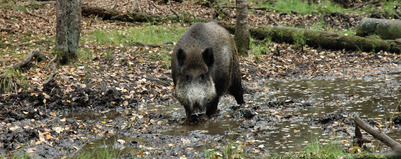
{"x":394,"y":145}
{"x":149,"y":45}
{"x":6,"y":30}
{"x":33,"y":54}
{"x":273,"y":20}
{"x":154,"y":5}
{"x":110,"y":14}
{"x":54,"y":69}
{"x":31,"y":14}
{"x":321,"y":39}
{"x":254,"y":8}
{"x":363,"y":4}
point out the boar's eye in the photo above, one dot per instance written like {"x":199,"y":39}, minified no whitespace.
{"x":208,"y":56}
{"x":180,"y":56}
{"x":203,"y":76}
{"x":187,"y":77}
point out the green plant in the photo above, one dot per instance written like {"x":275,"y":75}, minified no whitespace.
{"x":386,"y":8}
{"x":85,"y":54}
{"x":12,"y":80}
{"x":316,"y":149}
{"x":260,"y":47}
{"x":148,"y":34}
{"x":99,"y":153}
{"x":302,"y":7}
{"x":231,"y":150}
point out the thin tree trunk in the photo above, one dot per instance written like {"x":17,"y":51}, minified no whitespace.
{"x":241,"y":35}
{"x":68,"y":15}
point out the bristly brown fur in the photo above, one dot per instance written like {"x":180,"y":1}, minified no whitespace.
{"x":206,"y":49}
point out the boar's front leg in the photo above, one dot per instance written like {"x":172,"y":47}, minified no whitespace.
{"x":212,"y":107}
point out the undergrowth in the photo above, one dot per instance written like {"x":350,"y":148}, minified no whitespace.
{"x":301,"y":7}
{"x":147,"y":34}
{"x":316,"y":150}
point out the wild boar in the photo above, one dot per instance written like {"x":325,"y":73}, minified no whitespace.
{"x":204,"y":67}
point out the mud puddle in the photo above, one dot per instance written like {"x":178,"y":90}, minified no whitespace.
{"x":326,"y":120}
{"x":289,"y":116}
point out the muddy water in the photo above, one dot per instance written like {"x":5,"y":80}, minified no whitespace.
{"x":292,"y":128}
{"x":374,"y":99}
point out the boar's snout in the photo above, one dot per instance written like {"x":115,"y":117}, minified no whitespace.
{"x":197,"y":110}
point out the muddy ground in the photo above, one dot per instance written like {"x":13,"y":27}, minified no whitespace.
{"x":50,"y":121}
{"x":125,"y":102}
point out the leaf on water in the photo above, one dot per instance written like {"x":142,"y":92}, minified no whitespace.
{"x":19,"y":146}
{"x":121,"y":141}
{"x":185,"y":141}
{"x":58,"y":129}
{"x":53,"y":113}
{"x":248,"y":143}
{"x":15,"y":127}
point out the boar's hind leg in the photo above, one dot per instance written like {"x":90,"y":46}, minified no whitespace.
{"x":236,"y":87}
{"x":212,"y":107}
{"x":237,"y":91}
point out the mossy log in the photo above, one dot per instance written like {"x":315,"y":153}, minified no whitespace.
{"x":384,"y":28}
{"x":110,"y":14}
{"x":321,"y":39}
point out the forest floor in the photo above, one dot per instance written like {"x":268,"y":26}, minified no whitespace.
{"x":124,"y":92}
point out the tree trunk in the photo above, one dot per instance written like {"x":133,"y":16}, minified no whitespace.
{"x":386,"y":29}
{"x":241,"y":35}
{"x":321,"y":39}
{"x":68,"y":15}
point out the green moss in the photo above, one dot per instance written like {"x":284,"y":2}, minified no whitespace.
{"x":150,"y":34}
{"x":301,"y":7}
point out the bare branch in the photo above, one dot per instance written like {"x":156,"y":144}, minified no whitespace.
{"x":33,"y":54}
{"x":394,"y":145}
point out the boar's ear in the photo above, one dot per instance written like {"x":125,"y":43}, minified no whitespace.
{"x":208,"y":56}
{"x":180,"y":56}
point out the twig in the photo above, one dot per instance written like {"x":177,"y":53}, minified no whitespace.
{"x":6,"y":30}
{"x":51,"y":77}
{"x":149,"y":45}
{"x":363,"y":4}
{"x":273,"y":20}
{"x":27,"y":59}
{"x":154,"y":5}
{"x":397,"y":14}
{"x":175,"y":13}
{"x":254,"y":8}
{"x":52,"y":60}
{"x":28,"y":12}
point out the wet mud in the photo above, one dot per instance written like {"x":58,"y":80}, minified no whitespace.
{"x":284,"y":112}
